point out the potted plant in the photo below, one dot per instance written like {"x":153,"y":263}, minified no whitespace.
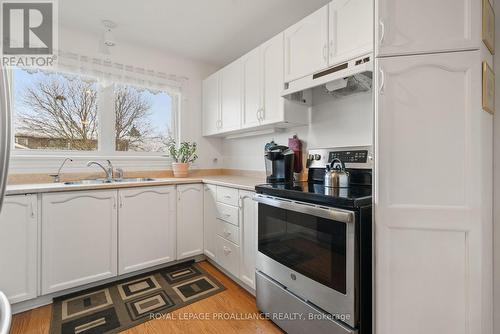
{"x":182,"y":156}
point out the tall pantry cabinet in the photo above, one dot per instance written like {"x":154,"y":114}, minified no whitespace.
{"x":433,"y":193}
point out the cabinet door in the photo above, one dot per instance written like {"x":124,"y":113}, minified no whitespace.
{"x":231,"y":81}
{"x":426,"y":26}
{"x":306,"y":45}
{"x":211,"y":105}
{"x":189,"y":220}
{"x":252,"y":88}
{"x":209,"y":220}
{"x":433,"y":194}
{"x":18,"y":247}
{"x":79,"y":238}
{"x":146,"y":224}
{"x":351,"y":29}
{"x":272,"y":70}
{"x":248,"y":237}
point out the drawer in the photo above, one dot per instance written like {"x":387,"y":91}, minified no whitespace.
{"x":228,"y":256}
{"x":228,"y":231}
{"x":227,"y":213}
{"x":227,"y":195}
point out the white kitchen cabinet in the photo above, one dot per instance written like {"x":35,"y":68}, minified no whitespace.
{"x":79,"y":238}
{"x":189,"y":220}
{"x":19,"y":247}
{"x":211,"y":105}
{"x":433,"y":184}
{"x":306,"y":45}
{"x":146,"y":227}
{"x":228,"y":256}
{"x":350,"y":30}
{"x":248,"y":237}
{"x":252,"y":88}
{"x":427,"y":26}
{"x":209,"y":220}
{"x":231,"y":96}
{"x":273,"y":106}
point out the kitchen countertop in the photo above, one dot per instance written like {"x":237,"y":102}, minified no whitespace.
{"x":233,"y":181}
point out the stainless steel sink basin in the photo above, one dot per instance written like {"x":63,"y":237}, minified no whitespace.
{"x":86,"y":182}
{"x":102,"y":181}
{"x":133,"y":179}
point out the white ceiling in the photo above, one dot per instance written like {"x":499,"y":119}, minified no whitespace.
{"x":213,"y":31}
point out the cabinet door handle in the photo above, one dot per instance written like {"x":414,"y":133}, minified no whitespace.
{"x":32,"y":209}
{"x":382,"y":81}
{"x":331,"y":49}
{"x":121,"y":201}
{"x":382,"y":31}
{"x":325,"y":52}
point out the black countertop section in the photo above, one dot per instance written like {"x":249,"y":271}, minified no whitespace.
{"x":317,"y":193}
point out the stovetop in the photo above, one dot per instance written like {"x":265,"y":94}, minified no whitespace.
{"x":314,"y":192}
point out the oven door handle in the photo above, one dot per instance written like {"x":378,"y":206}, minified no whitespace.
{"x":338,"y":215}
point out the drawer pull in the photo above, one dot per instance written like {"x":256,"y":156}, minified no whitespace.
{"x":227,"y":233}
{"x":227,"y":250}
{"x":227,"y":196}
{"x":227,"y":215}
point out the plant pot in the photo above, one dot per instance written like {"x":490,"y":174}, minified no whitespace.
{"x":180,"y":169}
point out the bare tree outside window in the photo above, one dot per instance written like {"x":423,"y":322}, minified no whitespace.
{"x":56,"y":112}
{"x":143,"y":119}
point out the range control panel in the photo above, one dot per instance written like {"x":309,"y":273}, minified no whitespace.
{"x":360,"y":156}
{"x":353,"y":157}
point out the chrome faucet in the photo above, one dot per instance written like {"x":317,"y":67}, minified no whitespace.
{"x":108,"y":170}
{"x":57,"y":177}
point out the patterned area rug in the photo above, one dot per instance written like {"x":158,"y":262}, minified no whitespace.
{"x":115,"y":307}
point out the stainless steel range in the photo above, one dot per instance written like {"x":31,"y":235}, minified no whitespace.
{"x":314,"y":261}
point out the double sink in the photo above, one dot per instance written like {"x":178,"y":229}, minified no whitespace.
{"x":102,"y":181}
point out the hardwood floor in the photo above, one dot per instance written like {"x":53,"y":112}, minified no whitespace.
{"x":235,"y":300}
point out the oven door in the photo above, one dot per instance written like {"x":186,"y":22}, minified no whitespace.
{"x":310,"y":250}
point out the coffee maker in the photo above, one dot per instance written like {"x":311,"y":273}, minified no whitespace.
{"x":279,"y":163}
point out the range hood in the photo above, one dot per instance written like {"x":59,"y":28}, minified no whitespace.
{"x":345,"y":79}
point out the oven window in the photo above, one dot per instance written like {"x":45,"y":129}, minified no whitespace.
{"x":312,"y":246}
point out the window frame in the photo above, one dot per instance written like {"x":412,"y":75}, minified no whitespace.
{"x":24,"y":160}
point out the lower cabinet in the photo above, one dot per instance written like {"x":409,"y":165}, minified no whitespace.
{"x":228,"y":256}
{"x":189,"y":220}
{"x":79,"y":238}
{"x":209,"y":220}
{"x":18,"y":247}
{"x":248,"y":232}
{"x":231,"y":224}
{"x":146,"y":227}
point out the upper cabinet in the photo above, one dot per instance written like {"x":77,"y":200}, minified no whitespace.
{"x":272,"y":83}
{"x":350,"y":30}
{"x":231,"y":96}
{"x":211,"y":106}
{"x":252,"y":88}
{"x":306,"y":45}
{"x":426,"y":26}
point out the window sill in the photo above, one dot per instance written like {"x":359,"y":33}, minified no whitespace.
{"x":49,"y":163}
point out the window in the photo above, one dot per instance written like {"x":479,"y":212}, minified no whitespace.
{"x":59,"y":112}
{"x":143,"y":119}
{"x":54,"y":112}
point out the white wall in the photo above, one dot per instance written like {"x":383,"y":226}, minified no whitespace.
{"x":83,"y":43}
{"x":334,"y":122}
{"x":496,"y":182}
